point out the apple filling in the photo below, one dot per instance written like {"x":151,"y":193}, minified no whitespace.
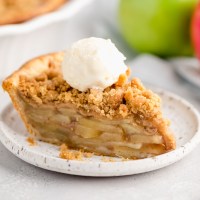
{"x":120,"y":138}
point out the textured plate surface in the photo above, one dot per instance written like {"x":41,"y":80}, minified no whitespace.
{"x":65,"y":12}
{"x":185,"y":123}
{"x":188,"y":68}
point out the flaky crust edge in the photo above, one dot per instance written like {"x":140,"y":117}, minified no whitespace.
{"x":31,"y":68}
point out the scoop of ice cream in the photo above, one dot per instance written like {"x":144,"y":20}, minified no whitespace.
{"x":93,"y":63}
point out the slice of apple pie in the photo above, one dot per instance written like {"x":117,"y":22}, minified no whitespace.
{"x":123,"y":120}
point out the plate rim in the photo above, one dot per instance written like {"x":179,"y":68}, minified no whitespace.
{"x":173,"y":156}
{"x":180,"y":68}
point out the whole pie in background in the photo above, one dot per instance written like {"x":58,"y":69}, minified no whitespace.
{"x":124,"y":120}
{"x":17,"y":11}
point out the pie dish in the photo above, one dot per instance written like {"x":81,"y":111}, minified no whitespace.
{"x":124,"y":120}
{"x":18,"y":11}
{"x":48,"y":27}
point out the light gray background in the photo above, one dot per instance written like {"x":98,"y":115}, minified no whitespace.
{"x":180,"y":181}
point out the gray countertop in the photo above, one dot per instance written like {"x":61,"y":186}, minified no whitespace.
{"x":180,"y":181}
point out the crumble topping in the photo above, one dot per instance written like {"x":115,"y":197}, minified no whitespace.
{"x":121,"y":100}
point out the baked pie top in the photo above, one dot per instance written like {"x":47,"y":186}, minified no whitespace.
{"x":40,"y":81}
{"x":16,"y":11}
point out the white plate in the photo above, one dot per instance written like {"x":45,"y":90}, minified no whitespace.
{"x":188,"y":68}
{"x":66,"y":11}
{"x":185,"y":123}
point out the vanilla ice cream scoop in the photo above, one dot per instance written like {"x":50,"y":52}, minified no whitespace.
{"x":93,"y":63}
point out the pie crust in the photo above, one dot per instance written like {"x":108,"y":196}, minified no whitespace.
{"x":124,"y":120}
{"x":17,"y":11}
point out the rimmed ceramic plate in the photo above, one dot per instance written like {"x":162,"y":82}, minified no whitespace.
{"x":188,"y":68}
{"x":185,"y":123}
{"x":69,"y":9}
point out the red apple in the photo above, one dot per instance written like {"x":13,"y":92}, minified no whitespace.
{"x":195,"y":33}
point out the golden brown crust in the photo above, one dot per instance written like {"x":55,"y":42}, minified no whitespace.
{"x":32,"y":68}
{"x":40,"y":81}
{"x":17,"y":11}
{"x":29,"y":69}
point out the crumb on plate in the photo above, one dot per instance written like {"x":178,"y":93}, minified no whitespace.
{"x":107,"y":159}
{"x":31,"y":141}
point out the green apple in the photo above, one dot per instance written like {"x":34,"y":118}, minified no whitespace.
{"x":160,"y":27}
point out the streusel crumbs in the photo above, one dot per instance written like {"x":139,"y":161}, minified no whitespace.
{"x":31,"y":141}
{"x":68,"y":154}
{"x":121,"y":100}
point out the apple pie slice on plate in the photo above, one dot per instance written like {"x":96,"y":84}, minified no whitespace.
{"x":123,"y":120}
{"x":82,"y":100}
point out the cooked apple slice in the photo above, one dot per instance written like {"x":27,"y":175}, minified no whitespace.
{"x":94,"y":124}
{"x":154,"y":139}
{"x":127,"y":152}
{"x":39,"y":115}
{"x":155,"y":149}
{"x":106,"y":136}
{"x":133,"y":129}
{"x":134,"y":145}
{"x":145,"y":151}
{"x":86,"y":132}
{"x":122,"y":144}
{"x":59,"y":118}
